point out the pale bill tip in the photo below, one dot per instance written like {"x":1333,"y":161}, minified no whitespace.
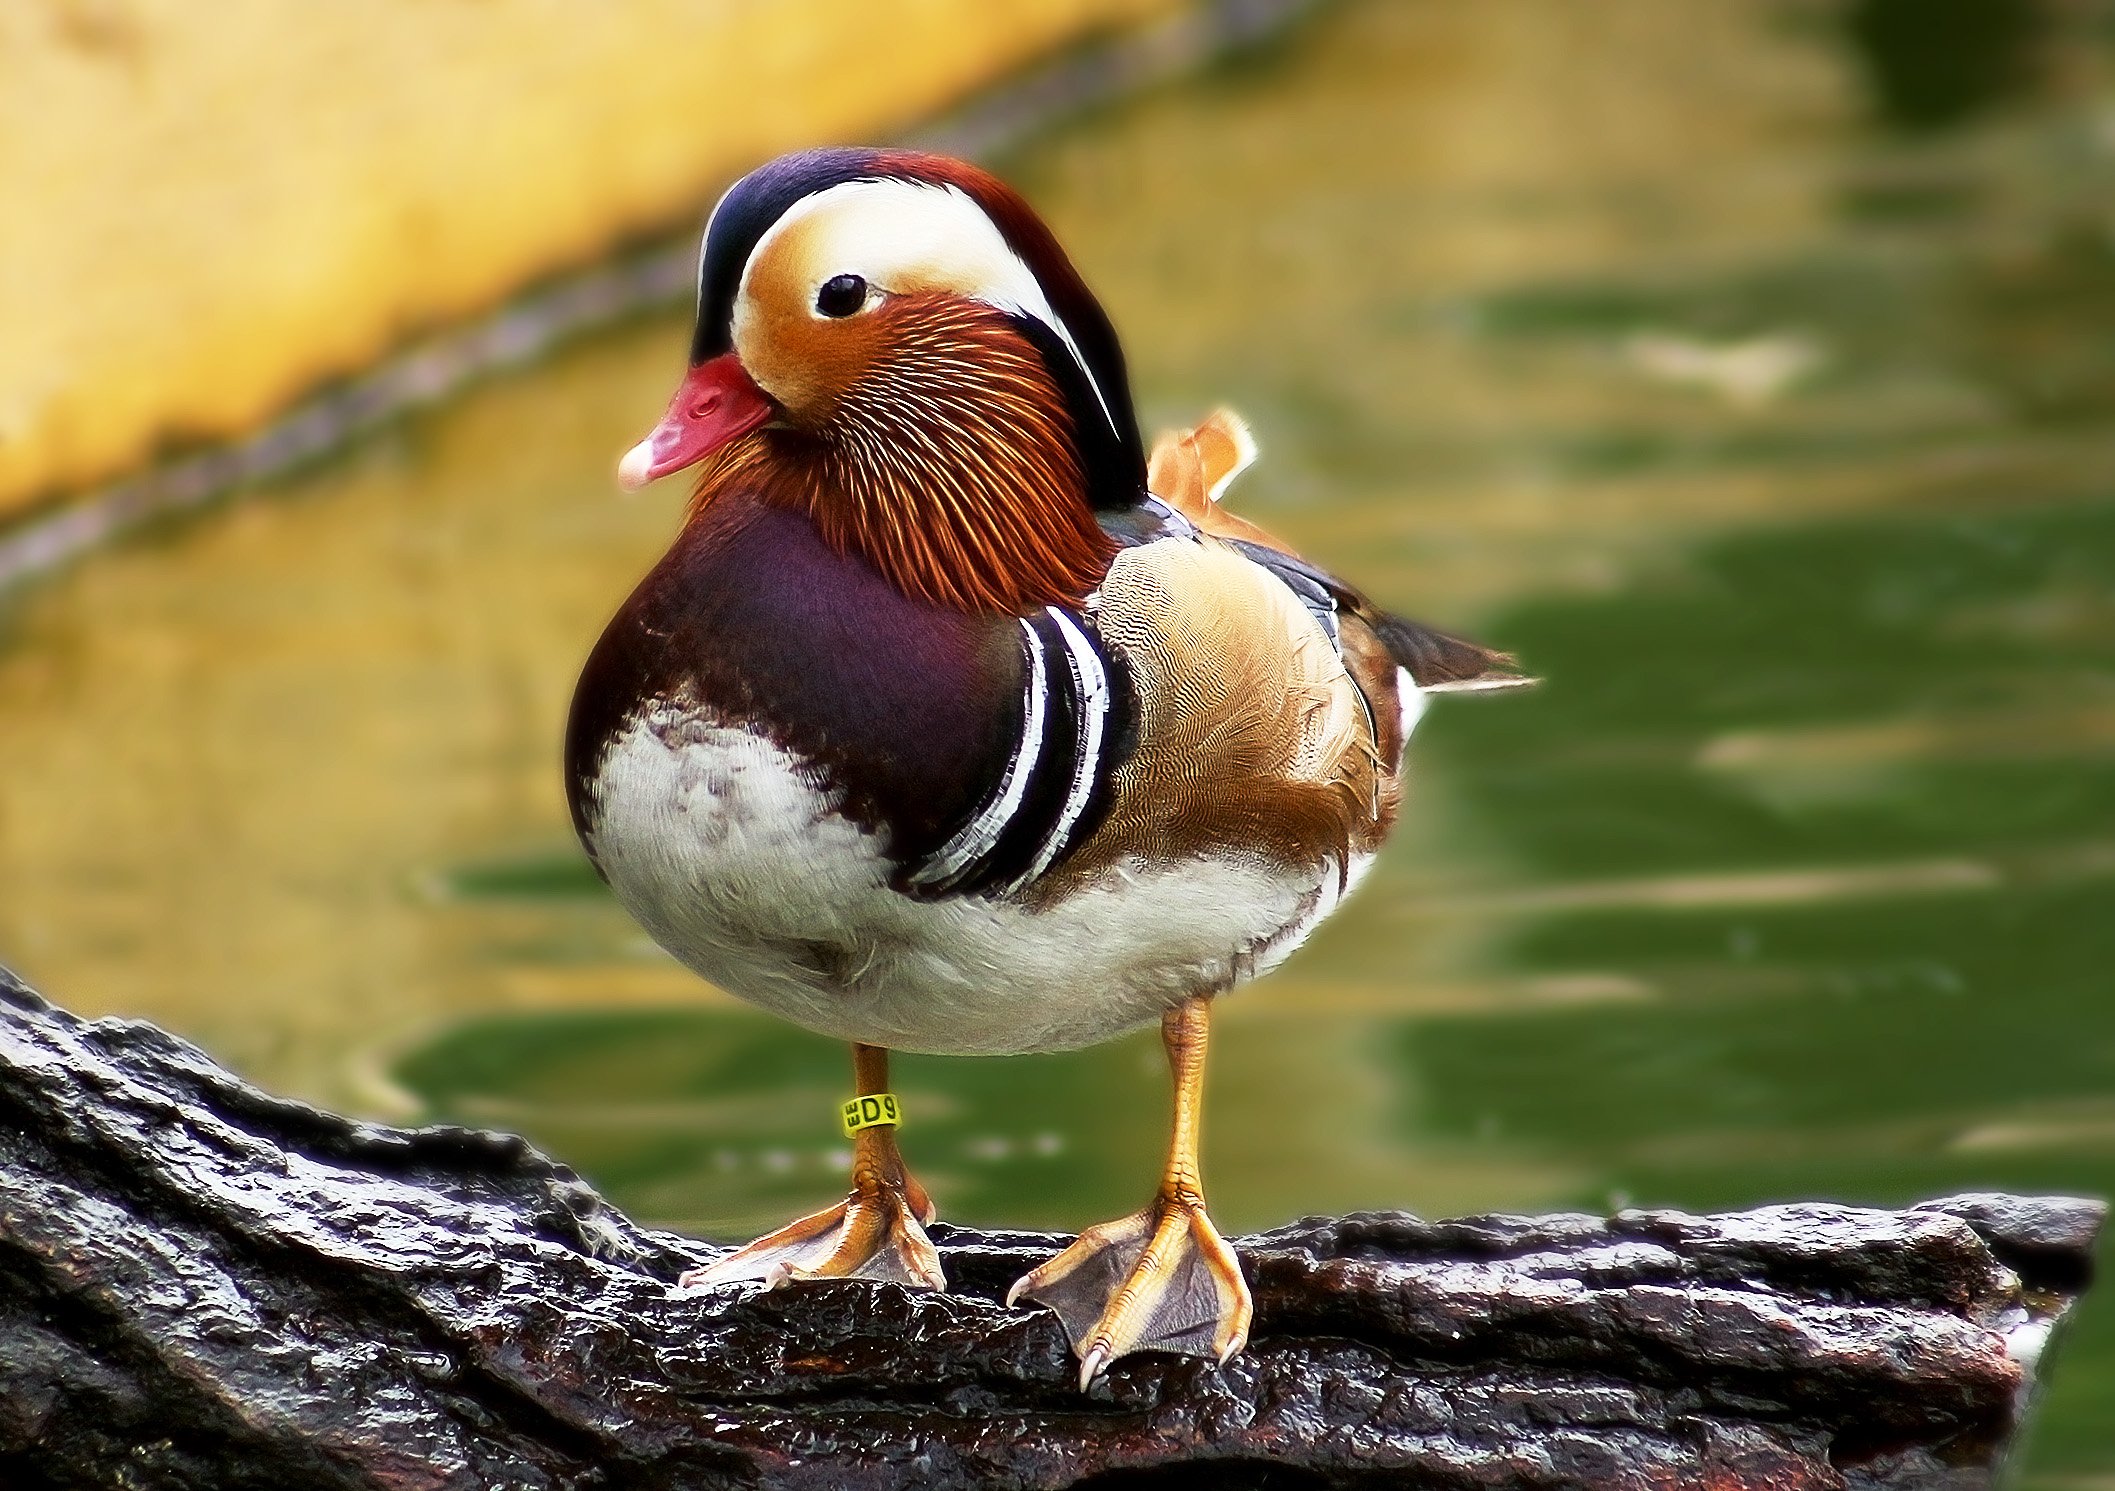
{"x":637,"y":467}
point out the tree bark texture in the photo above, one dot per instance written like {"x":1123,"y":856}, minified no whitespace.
{"x":202,"y":1286}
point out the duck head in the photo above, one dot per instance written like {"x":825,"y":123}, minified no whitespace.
{"x":895,"y":343}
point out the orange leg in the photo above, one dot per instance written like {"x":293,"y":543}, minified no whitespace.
{"x":876,"y":1232}
{"x":1161,"y":1279}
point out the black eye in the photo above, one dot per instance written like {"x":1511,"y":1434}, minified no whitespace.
{"x":841,"y":296}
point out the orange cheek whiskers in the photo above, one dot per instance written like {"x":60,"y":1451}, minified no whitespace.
{"x":949,"y":466}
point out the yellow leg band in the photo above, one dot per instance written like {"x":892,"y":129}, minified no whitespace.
{"x":875,"y":1110}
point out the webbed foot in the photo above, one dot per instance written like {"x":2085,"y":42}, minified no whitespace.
{"x":876,"y":1232}
{"x":872,"y":1234}
{"x":1161,"y":1279}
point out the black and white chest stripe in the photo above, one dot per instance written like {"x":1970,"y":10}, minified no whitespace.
{"x":1076,"y":730}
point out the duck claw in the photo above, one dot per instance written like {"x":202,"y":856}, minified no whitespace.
{"x":1161,"y":1279}
{"x":1091,"y":1365}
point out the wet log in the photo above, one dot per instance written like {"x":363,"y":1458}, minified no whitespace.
{"x":202,"y":1286}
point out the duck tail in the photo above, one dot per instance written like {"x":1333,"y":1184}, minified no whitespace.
{"x":1439,"y":662}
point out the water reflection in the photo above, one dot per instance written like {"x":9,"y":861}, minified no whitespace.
{"x":1873,"y":928}
{"x":1777,"y":445}
{"x":1939,"y":62}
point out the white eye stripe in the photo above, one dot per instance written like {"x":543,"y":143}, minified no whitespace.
{"x":910,"y":235}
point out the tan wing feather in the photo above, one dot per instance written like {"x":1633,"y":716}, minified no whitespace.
{"x":1254,"y":730}
{"x":1251,"y":733}
{"x":1190,"y":471}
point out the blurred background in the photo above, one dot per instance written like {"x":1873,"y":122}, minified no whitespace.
{"x":1748,"y":367}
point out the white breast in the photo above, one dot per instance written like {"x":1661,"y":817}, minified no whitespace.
{"x":731,"y":853}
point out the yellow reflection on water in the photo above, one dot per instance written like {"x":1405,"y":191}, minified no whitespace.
{"x":240,"y":752}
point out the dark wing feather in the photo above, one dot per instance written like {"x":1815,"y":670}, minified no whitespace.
{"x":1317,"y":592}
{"x":1437,"y":660}
{"x":1434,"y":659}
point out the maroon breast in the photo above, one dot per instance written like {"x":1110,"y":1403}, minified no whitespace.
{"x":907,"y":711}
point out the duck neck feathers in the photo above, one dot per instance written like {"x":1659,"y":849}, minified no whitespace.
{"x":951,"y":465}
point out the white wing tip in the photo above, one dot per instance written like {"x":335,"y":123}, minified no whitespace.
{"x":1243,"y":440}
{"x":1491,"y":684}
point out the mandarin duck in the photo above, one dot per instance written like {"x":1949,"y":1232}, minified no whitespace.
{"x":951,"y":722}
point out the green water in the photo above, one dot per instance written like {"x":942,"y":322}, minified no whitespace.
{"x":1751,"y":375}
